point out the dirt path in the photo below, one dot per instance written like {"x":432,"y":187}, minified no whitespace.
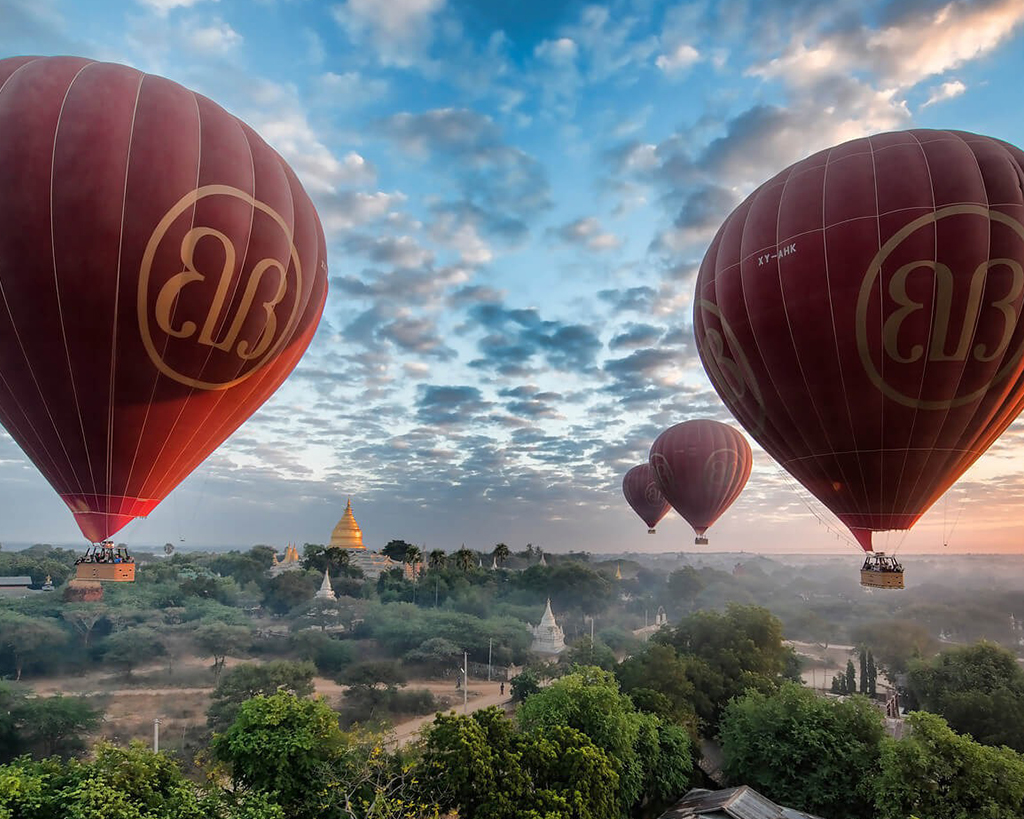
{"x":481,"y":695}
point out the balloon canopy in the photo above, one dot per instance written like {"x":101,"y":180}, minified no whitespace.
{"x":162,"y":271}
{"x":642,"y":493}
{"x":860,"y":314}
{"x":701,"y":467}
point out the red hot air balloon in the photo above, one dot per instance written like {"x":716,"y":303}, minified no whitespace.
{"x":701,"y":467}
{"x":642,"y":493}
{"x":860,"y":314}
{"x":162,"y":271}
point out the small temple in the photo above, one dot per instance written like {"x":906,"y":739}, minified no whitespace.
{"x":326,"y":591}
{"x":290,"y":563}
{"x":548,"y":637}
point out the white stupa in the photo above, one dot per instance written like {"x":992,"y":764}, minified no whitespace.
{"x":548,"y":637}
{"x":326,"y":591}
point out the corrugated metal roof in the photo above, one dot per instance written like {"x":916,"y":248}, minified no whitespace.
{"x":23,"y":580}
{"x":732,"y":803}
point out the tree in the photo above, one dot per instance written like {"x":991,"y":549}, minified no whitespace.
{"x":319,"y":559}
{"x":465,"y":558}
{"x":936,"y":773}
{"x":660,"y":669}
{"x":84,"y":618}
{"x":501,"y":553}
{"x":895,"y":643}
{"x":132,"y":647}
{"x":396,"y":549}
{"x":802,"y":750}
{"x":978,"y":689}
{"x":872,"y":675}
{"x":290,"y":589}
{"x":482,"y":767}
{"x":589,"y":701}
{"x":684,"y":585}
{"x":281,"y":743}
{"x":851,"y":677}
{"x":863,"y":670}
{"x":28,"y":638}
{"x":524,"y":684}
{"x":249,"y":680}
{"x":584,"y":652}
{"x":217,"y":640}
{"x":437,"y":559}
{"x":56,"y":726}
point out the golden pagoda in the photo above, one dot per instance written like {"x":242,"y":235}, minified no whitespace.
{"x":347,"y":534}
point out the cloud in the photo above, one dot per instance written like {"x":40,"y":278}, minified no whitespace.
{"x":587,"y":232}
{"x":416,"y":335}
{"x":683,"y":56}
{"x":946,"y":91}
{"x":633,"y":299}
{"x":636,"y":335}
{"x":164,"y":7}
{"x":399,"y":31}
{"x":500,"y":187}
{"x":216,"y":38}
{"x":449,"y":405}
{"x":516,"y":336}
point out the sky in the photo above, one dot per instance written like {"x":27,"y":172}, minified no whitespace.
{"x":516,"y":198}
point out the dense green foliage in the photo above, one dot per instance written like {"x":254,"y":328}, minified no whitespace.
{"x":978,"y":689}
{"x":801,"y":749}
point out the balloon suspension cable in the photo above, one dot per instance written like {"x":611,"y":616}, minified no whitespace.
{"x":948,"y":535}
{"x":833,"y":526}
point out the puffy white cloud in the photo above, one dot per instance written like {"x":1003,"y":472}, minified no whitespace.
{"x":587,"y":232}
{"x":215,"y":38}
{"x":946,"y":91}
{"x":679,"y":59}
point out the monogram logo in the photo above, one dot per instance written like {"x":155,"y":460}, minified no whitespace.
{"x":222,"y":315}
{"x":652,"y":494}
{"x":934,"y":316}
{"x":719,"y":466}
{"x":728,"y":368}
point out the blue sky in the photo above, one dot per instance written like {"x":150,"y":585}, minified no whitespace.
{"x":516,"y":198}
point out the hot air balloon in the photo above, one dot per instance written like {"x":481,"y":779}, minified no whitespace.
{"x":643,"y":495}
{"x":162,"y":271}
{"x":701,"y":467}
{"x":860,"y":315}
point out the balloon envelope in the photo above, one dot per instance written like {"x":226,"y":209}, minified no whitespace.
{"x":643,"y":495}
{"x":701,"y":467}
{"x":860,"y":314}
{"x":161,"y":272}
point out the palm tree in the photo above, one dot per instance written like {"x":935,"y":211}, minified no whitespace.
{"x":464,"y":558}
{"x":500,"y":553}
{"x":413,"y":556}
{"x":437,"y":559}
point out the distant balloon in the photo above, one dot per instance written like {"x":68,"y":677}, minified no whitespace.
{"x":161,"y":273}
{"x":860,"y":314}
{"x":642,"y":493}
{"x":701,"y":467}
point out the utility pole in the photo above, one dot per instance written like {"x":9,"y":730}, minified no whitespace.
{"x":465,"y":682}
{"x":156,"y":736}
{"x":490,"y":644}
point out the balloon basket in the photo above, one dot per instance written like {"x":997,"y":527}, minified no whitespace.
{"x":881,"y":571}
{"x":651,"y":532}
{"x":700,"y":541}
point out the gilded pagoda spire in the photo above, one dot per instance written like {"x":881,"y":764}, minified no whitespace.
{"x":347,"y":534}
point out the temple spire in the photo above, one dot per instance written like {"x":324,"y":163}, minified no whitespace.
{"x":347,"y":534}
{"x":326,"y":591}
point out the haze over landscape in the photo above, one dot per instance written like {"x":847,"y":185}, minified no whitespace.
{"x":516,"y":202}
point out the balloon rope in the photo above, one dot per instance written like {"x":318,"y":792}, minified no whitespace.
{"x":837,"y":527}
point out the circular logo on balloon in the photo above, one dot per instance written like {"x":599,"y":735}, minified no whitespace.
{"x":938,"y":314}
{"x":728,"y":367}
{"x":652,"y":494}
{"x":219,"y":287}
{"x":720,"y":465}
